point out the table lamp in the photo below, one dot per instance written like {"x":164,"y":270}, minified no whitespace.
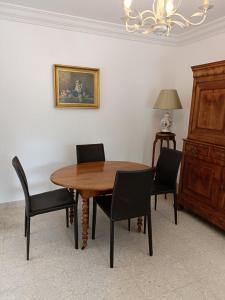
{"x":167,"y":100}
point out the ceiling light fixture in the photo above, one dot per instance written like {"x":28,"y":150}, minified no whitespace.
{"x":163,"y":16}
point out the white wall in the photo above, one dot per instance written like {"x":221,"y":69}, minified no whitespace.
{"x":44,"y":137}
{"x":204,"y":51}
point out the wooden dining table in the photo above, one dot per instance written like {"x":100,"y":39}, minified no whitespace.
{"x":92,"y":179}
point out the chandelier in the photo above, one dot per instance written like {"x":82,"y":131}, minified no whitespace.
{"x":163,"y":16}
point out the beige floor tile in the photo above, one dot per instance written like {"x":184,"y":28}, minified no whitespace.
{"x":171,"y":296}
{"x":1,"y":246}
{"x":215,"y":282}
{"x":188,"y":260}
{"x":161,"y":276}
{"x":196,"y":291}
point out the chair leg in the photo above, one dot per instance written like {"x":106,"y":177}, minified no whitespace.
{"x":145,"y":219}
{"x":25,"y":225}
{"x":94,"y":218}
{"x":28,"y":237}
{"x":71,"y":210}
{"x":76,"y":196}
{"x":128,"y":224}
{"x":75,"y":226}
{"x":150,"y":234}
{"x":155,"y":201}
{"x":67,"y":217}
{"x":175,"y":207}
{"x":111,"y":243}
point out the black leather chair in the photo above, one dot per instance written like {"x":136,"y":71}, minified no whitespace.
{"x":130,"y":199}
{"x":44,"y":203}
{"x":165,"y":180}
{"x":89,"y":153}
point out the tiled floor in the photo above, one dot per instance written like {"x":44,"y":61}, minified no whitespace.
{"x":188,"y":261}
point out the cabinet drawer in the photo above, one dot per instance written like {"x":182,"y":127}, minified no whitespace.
{"x":217,"y":154}
{"x":196,"y":150}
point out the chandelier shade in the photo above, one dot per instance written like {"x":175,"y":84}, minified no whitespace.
{"x":162,"y":17}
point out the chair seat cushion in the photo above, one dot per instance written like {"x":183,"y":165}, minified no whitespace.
{"x":105,"y":203}
{"x":159,"y":188}
{"x":50,"y":201}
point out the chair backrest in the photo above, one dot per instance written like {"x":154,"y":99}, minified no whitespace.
{"x":131,"y":194}
{"x":23,"y":180}
{"x":167,"y":167}
{"x":90,"y":153}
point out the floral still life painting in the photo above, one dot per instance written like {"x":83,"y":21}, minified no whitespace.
{"x":76,"y":86}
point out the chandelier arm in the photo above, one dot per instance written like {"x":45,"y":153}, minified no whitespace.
{"x":129,"y":16}
{"x":139,"y":17}
{"x":179,"y":23}
{"x":159,"y":20}
{"x":169,"y":28}
{"x":189,"y":22}
{"x":149,"y":18}
{"x":153,"y":8}
{"x":150,"y":12}
{"x":131,"y":28}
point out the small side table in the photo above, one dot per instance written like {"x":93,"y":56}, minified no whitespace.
{"x":163,"y":136}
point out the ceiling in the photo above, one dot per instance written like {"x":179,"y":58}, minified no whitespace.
{"x":112,"y":10}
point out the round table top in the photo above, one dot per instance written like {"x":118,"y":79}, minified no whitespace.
{"x":96,"y":176}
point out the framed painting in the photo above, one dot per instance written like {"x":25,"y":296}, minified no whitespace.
{"x":76,"y":87}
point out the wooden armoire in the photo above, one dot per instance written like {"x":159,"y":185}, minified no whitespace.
{"x":202,"y":178}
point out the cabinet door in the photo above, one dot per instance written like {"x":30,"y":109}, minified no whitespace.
{"x":200,"y":182}
{"x":208,"y":111}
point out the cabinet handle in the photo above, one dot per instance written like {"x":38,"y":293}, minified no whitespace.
{"x":222,"y":187}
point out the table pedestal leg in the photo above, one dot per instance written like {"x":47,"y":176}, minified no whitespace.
{"x":88,"y":211}
{"x":139,"y":223}
{"x":85,"y":217}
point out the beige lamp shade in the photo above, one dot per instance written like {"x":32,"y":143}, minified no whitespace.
{"x":168,"y":99}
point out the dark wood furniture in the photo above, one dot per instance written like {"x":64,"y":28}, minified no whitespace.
{"x":92,"y":179}
{"x":130,"y":199}
{"x":44,"y":203}
{"x":163,"y":136}
{"x":202,"y":184}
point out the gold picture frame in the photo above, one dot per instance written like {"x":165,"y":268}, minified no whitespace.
{"x":76,"y":87}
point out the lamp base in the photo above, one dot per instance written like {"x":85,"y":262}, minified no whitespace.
{"x":165,"y":131}
{"x":166,"y":122}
